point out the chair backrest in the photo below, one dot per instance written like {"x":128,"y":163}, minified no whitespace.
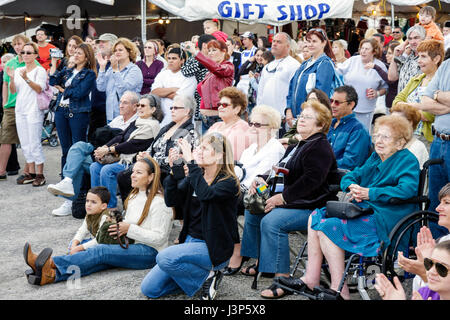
{"x":334,"y":179}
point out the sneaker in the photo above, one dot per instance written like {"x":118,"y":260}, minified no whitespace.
{"x":26,"y":178}
{"x":39,"y":180}
{"x":62,"y":188}
{"x":13,"y":173}
{"x":3,"y":177}
{"x":209,"y":288}
{"x":64,"y":210}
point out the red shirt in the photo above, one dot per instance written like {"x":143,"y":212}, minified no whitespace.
{"x":387,"y":39}
{"x":44,"y":56}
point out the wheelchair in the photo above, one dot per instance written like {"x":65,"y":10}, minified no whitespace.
{"x":360,"y":271}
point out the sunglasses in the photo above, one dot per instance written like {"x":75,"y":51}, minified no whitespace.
{"x":223,"y":104}
{"x":27,"y":52}
{"x":395,"y":31}
{"x":440,"y":268}
{"x":337,"y":102}
{"x":176,"y":108}
{"x":257,"y":124}
{"x":321,"y":32}
{"x":142,"y":105}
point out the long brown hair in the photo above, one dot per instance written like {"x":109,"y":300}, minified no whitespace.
{"x":225,"y":167}
{"x":77,"y":40}
{"x":153,"y":188}
{"x":91,"y":63}
{"x":322,"y":35}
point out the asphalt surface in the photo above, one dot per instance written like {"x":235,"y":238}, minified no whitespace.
{"x":26,"y":217}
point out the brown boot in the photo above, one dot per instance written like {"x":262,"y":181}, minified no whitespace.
{"x":29,"y":256}
{"x":48,"y":272}
{"x":39,"y":180}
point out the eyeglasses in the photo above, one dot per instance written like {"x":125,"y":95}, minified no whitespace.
{"x":306,"y":117}
{"x":440,"y":268}
{"x":257,"y":124}
{"x":141,"y":105}
{"x":176,"y":108}
{"x":27,"y":52}
{"x":223,"y":104}
{"x":337,"y":102}
{"x":383,"y":137}
{"x":321,"y":31}
{"x":276,"y":67}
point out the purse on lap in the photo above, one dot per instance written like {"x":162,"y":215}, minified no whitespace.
{"x":103,"y":236}
{"x":345,"y":210}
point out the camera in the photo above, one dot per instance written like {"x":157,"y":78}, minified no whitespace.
{"x":56,"y":53}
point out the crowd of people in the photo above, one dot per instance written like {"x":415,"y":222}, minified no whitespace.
{"x":161,"y":132}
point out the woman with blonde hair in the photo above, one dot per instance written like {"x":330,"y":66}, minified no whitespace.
{"x":147,"y":221}
{"x":149,"y":65}
{"x":123,"y":75}
{"x":339,"y":51}
{"x":209,"y":196}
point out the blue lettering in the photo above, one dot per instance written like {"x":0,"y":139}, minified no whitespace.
{"x":224,"y":9}
{"x":238,"y":11}
{"x":247,"y":11}
{"x":310,"y":12}
{"x":299,"y":10}
{"x":283,"y":14}
{"x":323,"y":8}
{"x":261,"y":10}
{"x":291,"y":8}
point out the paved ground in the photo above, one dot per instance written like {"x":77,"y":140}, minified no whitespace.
{"x":26,"y":216}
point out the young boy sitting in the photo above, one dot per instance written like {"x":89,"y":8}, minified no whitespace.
{"x":426,"y":19}
{"x":212,"y":27}
{"x":97,"y":200}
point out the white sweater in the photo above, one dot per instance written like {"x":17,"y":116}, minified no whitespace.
{"x":154,"y":231}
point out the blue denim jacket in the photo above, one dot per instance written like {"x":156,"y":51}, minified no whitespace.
{"x":323,"y":67}
{"x":350,"y":142}
{"x":79,"y":90}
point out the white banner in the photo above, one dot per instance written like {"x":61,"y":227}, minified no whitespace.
{"x":407,"y":2}
{"x":273,"y":12}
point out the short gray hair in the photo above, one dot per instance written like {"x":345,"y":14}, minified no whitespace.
{"x":287,"y":36}
{"x":133,"y":95}
{"x":418,"y":29}
{"x":187,"y":102}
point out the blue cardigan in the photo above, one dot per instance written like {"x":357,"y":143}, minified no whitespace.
{"x":397,"y":176}
{"x":323,"y":67}
{"x":350,"y":142}
{"x":79,"y":90}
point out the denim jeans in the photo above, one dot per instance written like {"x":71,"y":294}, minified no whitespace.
{"x":77,"y":163}
{"x":106,"y":175}
{"x":207,"y":122}
{"x":71,"y":128}
{"x":439,"y":174}
{"x":185,"y":266}
{"x":265,"y":237}
{"x":105,"y":256}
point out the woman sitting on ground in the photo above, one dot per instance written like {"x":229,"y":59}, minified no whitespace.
{"x":147,"y":221}
{"x":310,"y":163}
{"x":390,"y":172}
{"x":137,"y":137}
{"x":209,"y":197}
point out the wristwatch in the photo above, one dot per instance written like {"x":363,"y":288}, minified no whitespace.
{"x":28,"y":81}
{"x":435,"y":95}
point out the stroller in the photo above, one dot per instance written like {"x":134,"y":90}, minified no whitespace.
{"x":48,"y":127}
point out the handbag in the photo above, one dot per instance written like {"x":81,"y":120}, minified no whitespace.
{"x":103,"y":236}
{"x":44,"y":97}
{"x":109,"y":158}
{"x":255,"y":203}
{"x":345,"y":210}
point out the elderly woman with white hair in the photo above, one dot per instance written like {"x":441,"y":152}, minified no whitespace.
{"x":181,"y":126}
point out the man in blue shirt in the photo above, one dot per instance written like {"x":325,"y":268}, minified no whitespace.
{"x":436,"y":100}
{"x":349,"y":139}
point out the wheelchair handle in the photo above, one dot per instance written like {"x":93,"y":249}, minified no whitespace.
{"x":431,"y":162}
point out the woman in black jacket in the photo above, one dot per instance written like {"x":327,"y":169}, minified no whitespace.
{"x":209,"y":196}
{"x":311,"y":164}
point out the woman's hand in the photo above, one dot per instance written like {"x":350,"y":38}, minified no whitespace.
{"x":141,"y":155}
{"x":10,"y":72}
{"x":102,"y":62}
{"x":358,"y":193}
{"x":100,"y":152}
{"x":425,"y":242}
{"x":272,"y":202}
{"x":114,"y":63}
{"x":257,"y":182}
{"x":190,"y":47}
{"x":123,"y":229}
{"x":412,"y":266}
{"x":173,"y":156}
{"x":371,"y":94}
{"x":185,"y":150}
{"x":386,"y":290}
{"x":60,"y":89}
{"x":24,"y":74}
{"x":76,"y":249}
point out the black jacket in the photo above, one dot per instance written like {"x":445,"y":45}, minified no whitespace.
{"x":126,"y":146}
{"x":219,"y":207}
{"x":311,"y":168}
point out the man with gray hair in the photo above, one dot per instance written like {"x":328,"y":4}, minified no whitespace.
{"x":79,"y":156}
{"x":275,"y":77}
{"x":409,"y":63}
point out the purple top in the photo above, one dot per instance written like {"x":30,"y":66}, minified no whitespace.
{"x":149,"y":73}
{"x":426,"y":293}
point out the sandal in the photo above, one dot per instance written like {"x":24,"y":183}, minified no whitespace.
{"x":273,"y":287}
{"x":246,"y":270}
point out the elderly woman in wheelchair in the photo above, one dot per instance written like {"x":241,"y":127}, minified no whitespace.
{"x":390,"y":172}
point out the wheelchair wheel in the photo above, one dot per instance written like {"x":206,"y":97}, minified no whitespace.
{"x":403,"y":237}
{"x":53,"y":141}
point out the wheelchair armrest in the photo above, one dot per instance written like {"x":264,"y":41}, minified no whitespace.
{"x":413,"y":200}
{"x":334,"y":188}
